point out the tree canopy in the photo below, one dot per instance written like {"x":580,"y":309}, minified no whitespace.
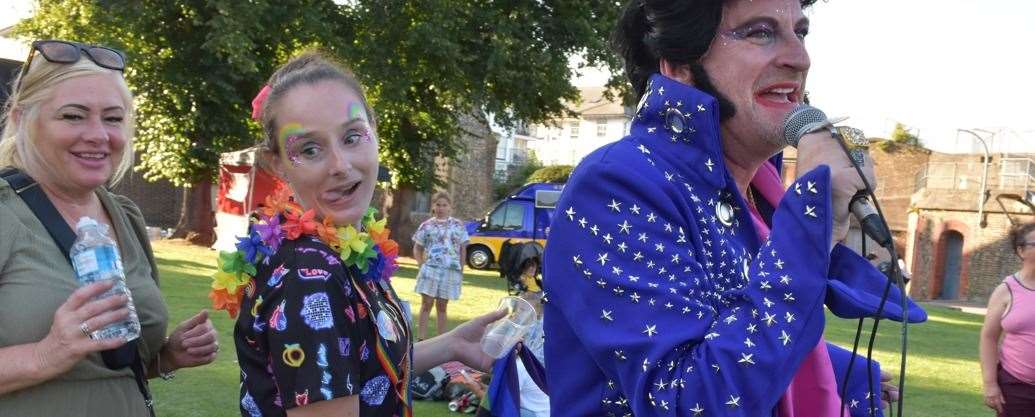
{"x":194,"y":66}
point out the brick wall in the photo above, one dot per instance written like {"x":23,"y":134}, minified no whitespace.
{"x":987,"y":256}
{"x":469,"y":175}
{"x":159,"y":201}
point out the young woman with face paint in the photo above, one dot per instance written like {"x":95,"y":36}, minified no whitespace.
{"x":321,"y":331}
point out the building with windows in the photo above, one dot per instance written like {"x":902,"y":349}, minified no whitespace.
{"x":567,"y":140}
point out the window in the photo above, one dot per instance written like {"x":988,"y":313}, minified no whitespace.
{"x":547,"y":198}
{"x":574,"y":129}
{"x":508,"y":216}
{"x":601,"y":128}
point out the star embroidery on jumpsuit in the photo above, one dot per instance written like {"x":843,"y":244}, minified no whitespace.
{"x":615,"y":205}
{"x":784,"y":337}
{"x":602,"y":258}
{"x":571,"y":213}
{"x":733,"y":402}
{"x":624,"y":227}
{"x":746,"y":358}
{"x":651,"y":217}
{"x":635,"y":209}
{"x":606,"y":315}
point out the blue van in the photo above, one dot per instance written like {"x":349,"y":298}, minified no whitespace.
{"x":521,"y":217}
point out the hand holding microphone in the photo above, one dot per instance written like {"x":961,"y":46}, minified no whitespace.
{"x":808,"y":129}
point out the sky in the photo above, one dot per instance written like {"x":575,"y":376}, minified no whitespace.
{"x":933,"y":65}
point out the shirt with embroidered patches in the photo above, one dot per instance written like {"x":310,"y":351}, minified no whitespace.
{"x":305,"y":335}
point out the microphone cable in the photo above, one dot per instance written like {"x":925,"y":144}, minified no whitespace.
{"x":897,"y":276}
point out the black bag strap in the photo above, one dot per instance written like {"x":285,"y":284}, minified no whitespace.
{"x":30,"y":192}
{"x":28,"y":189}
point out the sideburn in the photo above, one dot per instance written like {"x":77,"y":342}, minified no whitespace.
{"x":704,"y":83}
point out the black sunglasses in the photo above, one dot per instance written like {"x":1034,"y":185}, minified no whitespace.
{"x":68,"y":52}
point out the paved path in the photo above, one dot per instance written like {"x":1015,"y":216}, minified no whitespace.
{"x":964,"y":306}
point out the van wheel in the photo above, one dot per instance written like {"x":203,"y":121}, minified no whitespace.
{"x":479,"y":257}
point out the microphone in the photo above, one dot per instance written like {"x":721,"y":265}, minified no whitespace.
{"x":806,"y":119}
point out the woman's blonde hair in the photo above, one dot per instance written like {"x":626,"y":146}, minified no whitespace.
{"x":19,"y":145}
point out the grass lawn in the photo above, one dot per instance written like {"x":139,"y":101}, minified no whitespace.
{"x":943,"y":376}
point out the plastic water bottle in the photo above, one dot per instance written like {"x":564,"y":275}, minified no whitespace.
{"x":95,"y":257}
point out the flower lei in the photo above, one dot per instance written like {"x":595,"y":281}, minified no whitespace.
{"x":370,"y":251}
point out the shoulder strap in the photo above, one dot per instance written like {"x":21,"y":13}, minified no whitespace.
{"x":30,"y":192}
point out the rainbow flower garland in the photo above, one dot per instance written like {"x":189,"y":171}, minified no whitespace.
{"x":370,"y":251}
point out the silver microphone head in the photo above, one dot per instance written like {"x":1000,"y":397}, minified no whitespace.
{"x":803,"y":119}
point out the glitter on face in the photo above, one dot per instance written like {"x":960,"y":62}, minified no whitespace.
{"x":290,"y":134}
{"x":359,"y":112}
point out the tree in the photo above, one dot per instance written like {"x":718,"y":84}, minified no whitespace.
{"x":900,"y":137}
{"x":195,"y":65}
{"x":552,"y":173}
{"x":903,"y":136}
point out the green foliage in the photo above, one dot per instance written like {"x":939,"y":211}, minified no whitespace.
{"x":902,"y":135}
{"x":193,"y":66}
{"x":901,"y":138}
{"x":196,"y":64}
{"x":516,"y":177}
{"x":552,"y":173}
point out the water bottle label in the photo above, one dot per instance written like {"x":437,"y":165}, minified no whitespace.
{"x":96,"y":260}
{"x":85,"y":263}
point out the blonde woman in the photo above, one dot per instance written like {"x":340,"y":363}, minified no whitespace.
{"x":69,"y":129}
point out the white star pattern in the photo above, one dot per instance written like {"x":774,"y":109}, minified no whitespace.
{"x":624,"y":227}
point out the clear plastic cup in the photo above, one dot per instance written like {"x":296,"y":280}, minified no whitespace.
{"x":501,"y":335}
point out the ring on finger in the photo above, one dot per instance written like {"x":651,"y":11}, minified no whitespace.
{"x":85,"y":328}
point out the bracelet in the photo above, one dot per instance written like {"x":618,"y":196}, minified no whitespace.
{"x":166,"y":376}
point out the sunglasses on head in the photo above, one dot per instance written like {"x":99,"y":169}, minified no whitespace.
{"x":68,"y":52}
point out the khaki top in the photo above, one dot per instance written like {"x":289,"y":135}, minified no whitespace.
{"x":36,"y":278}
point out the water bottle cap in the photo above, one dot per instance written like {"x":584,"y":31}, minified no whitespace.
{"x":85,"y":222}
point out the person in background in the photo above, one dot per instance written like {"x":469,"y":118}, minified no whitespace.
{"x":1008,"y":335}
{"x":440,"y":247}
{"x":69,"y":127}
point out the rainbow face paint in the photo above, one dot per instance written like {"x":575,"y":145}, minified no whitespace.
{"x":289,"y":135}
{"x":359,"y":112}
